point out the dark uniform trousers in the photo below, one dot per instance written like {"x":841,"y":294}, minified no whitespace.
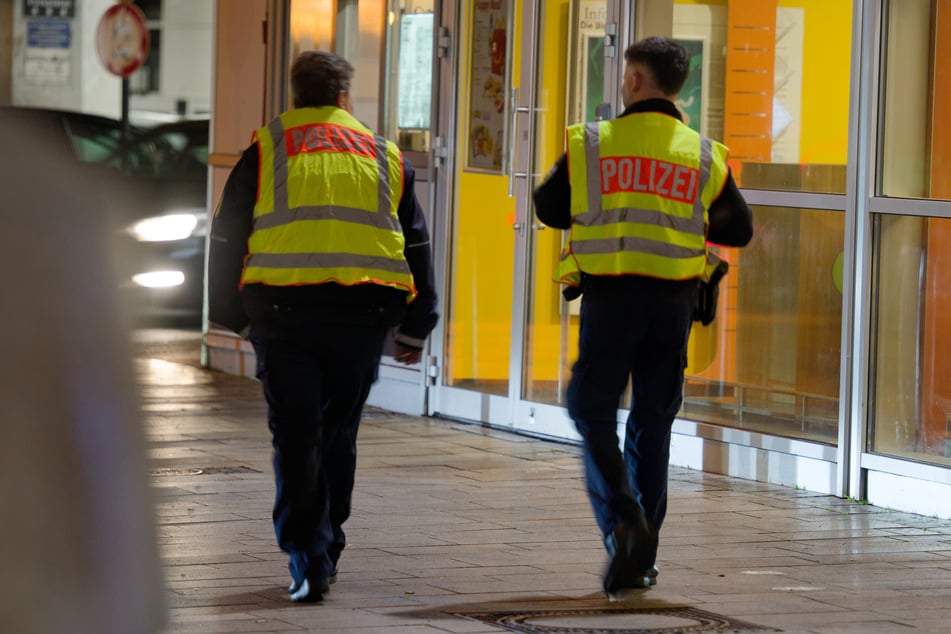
{"x":316,"y":380}
{"x":630,"y":327}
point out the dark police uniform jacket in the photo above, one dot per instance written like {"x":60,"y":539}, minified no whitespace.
{"x":329,"y":303}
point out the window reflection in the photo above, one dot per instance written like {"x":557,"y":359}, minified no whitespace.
{"x":352,"y":29}
{"x":408,"y":91}
{"x":912,"y":363}
{"x":771,"y":81}
{"x":312,"y":25}
{"x":916,"y":131}
{"x":770,"y":361}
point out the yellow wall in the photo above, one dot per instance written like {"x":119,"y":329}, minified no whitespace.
{"x":826,"y":58}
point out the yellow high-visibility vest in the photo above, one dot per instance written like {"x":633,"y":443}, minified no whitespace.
{"x":641,"y":186}
{"x":328,"y":194}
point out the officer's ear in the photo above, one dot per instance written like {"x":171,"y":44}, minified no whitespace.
{"x":345,"y":101}
{"x":637,"y":79}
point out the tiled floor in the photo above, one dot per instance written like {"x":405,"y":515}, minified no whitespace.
{"x":458,"y":528}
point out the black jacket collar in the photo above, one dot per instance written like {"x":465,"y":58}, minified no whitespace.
{"x":664,"y":106}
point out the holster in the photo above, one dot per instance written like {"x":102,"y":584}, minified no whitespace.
{"x":570,"y":292}
{"x":708,"y":293}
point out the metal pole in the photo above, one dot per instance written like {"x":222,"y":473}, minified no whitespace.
{"x":125,"y":109}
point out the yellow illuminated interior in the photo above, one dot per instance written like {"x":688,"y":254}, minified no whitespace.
{"x":312,"y":25}
{"x":812,"y":36}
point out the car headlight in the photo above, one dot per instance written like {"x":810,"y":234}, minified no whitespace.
{"x":159,"y":279}
{"x":165,"y":228}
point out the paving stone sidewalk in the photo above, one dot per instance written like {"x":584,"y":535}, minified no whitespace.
{"x":460,"y":528}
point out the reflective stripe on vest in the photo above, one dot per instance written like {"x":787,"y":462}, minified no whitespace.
{"x":327,"y":204}
{"x":640,"y":212}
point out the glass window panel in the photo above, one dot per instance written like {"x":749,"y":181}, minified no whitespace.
{"x":771,"y":80}
{"x":911,"y":384}
{"x":408,"y":91}
{"x":916,"y":123}
{"x":352,"y":29}
{"x":479,"y":308}
{"x":152,"y":9}
{"x":770,"y":361}
{"x":562,"y":98}
{"x":313,"y":25}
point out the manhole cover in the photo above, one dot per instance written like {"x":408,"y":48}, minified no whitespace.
{"x":176,"y":471}
{"x":673,"y":620}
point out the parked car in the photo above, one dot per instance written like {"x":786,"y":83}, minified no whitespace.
{"x":156,"y":185}
{"x":166,"y":169}
{"x":86,"y":137}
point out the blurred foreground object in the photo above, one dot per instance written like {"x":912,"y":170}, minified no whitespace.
{"x":77,"y":539}
{"x":156,"y":183}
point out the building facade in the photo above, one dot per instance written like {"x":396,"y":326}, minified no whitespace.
{"x":48,"y":58}
{"x":825,"y":368}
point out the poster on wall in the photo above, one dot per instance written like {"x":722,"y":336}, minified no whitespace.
{"x":690,"y":99}
{"x":415,"y":80}
{"x":586,"y":60}
{"x":488,"y":81}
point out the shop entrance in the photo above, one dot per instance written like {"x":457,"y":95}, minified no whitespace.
{"x":524,"y":69}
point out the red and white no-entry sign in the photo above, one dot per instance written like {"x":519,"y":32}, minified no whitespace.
{"x":122,"y":39}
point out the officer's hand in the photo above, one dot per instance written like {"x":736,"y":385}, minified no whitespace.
{"x":407,"y":355}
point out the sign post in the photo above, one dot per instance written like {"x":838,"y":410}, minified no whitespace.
{"x":122,"y":43}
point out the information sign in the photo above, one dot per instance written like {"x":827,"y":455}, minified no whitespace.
{"x":49,"y":8}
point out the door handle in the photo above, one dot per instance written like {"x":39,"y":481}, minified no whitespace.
{"x":513,"y":143}
{"x":537,"y":226}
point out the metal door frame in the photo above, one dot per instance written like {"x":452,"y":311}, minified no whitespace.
{"x":508,"y":411}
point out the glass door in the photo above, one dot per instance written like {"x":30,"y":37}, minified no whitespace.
{"x":507,"y":335}
{"x":574,"y":78}
{"x":473,"y":351}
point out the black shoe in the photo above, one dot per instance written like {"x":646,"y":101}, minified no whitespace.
{"x":311,"y":590}
{"x":631,"y":566}
{"x":296,"y":584}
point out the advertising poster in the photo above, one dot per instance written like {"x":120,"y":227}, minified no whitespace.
{"x":415,"y":80}
{"x":488,"y":92}
{"x":586,"y":60}
{"x":690,"y":99}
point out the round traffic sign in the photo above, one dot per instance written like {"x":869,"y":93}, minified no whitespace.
{"x":122,"y":39}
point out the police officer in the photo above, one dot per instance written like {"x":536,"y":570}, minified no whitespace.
{"x":318,"y":248}
{"x":641,"y":195}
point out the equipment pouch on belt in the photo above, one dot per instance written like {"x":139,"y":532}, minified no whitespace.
{"x":707,"y":294}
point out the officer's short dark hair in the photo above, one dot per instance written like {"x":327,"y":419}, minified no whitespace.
{"x":667,"y":59}
{"x":317,"y":77}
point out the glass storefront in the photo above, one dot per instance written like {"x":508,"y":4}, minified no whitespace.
{"x":825,"y":367}
{"x":567,"y":92}
{"x":353,"y":29}
{"x":771,"y":80}
{"x":771,"y":360}
{"x":480,"y":303}
{"x":911,"y":287}
{"x":408,"y":88}
{"x":915,"y":156}
{"x":912,"y":377}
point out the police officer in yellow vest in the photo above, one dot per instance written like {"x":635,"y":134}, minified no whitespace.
{"x":640,"y":196}
{"x":318,"y":248}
